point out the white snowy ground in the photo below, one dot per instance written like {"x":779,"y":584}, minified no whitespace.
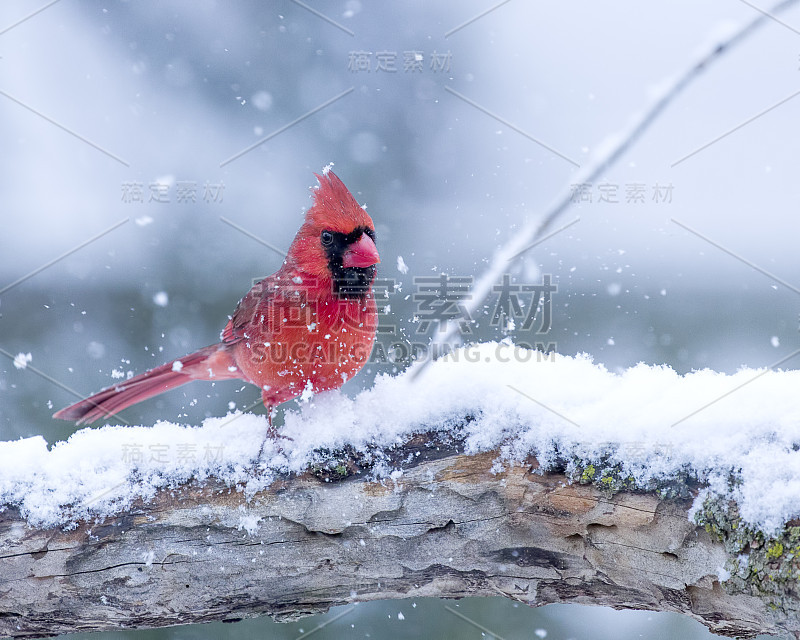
{"x":651,"y":420}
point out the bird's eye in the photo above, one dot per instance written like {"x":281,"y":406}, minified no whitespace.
{"x":327,"y":238}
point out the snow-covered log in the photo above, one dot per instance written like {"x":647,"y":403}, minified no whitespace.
{"x":451,"y":526}
{"x":498,"y":471}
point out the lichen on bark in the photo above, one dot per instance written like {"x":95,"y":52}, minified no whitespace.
{"x":767,"y":566}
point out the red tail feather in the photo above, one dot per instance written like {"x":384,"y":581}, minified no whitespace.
{"x":210,"y":363}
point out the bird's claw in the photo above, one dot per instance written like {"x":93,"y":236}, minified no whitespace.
{"x":272,"y":434}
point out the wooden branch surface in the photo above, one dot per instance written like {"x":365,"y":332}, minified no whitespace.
{"x":448,"y":527}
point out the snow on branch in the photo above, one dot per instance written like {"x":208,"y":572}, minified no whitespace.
{"x":545,"y":478}
{"x":737,"y":434}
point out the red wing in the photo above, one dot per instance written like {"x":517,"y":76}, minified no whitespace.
{"x":246,"y":310}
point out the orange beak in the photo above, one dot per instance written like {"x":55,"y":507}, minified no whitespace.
{"x":363,"y":253}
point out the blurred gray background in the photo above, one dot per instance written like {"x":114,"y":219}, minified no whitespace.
{"x":122,"y":113}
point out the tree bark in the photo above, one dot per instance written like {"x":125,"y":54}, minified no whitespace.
{"x":448,"y":527}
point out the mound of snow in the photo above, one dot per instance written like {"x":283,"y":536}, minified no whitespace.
{"x":650,"y":420}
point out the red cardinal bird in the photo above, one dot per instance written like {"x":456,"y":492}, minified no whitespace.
{"x":312,"y":323}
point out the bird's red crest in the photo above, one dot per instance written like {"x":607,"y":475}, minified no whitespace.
{"x":335,"y":207}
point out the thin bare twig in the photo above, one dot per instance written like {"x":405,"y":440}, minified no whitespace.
{"x":530,"y":234}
